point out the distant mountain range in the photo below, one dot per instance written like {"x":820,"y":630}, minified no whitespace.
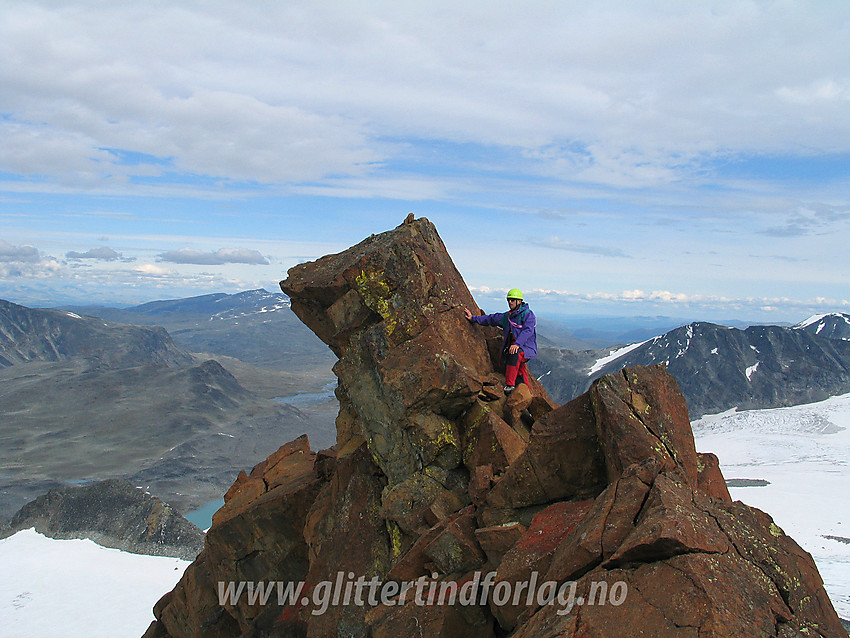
{"x":255,"y":326}
{"x":719,"y":367}
{"x":55,"y":335}
{"x":85,"y":397}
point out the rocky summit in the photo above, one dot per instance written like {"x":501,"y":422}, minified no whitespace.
{"x":447,"y":508}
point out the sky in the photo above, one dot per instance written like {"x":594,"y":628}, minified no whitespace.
{"x":687,"y":159}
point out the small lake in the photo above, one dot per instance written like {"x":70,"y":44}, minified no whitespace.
{"x":202,"y":517}
{"x":310,"y":399}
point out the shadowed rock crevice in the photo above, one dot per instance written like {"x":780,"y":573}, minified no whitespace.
{"x":437,"y":475}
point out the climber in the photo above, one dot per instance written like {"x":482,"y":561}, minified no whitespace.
{"x":520,"y":336}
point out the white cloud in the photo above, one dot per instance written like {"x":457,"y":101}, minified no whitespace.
{"x":25,"y":261}
{"x":607,"y":129}
{"x":823,"y":90}
{"x":103,"y":253}
{"x":23,"y":253}
{"x":214,"y":258}
{"x":668,"y":301}
{"x":152,"y":270}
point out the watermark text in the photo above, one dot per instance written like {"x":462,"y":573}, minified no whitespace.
{"x":480,"y":589}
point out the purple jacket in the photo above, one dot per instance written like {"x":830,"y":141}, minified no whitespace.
{"x":520,"y":323}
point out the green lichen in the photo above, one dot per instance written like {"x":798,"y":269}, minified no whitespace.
{"x":442,"y":443}
{"x":373,"y":508}
{"x":442,"y":358}
{"x":456,"y":554}
{"x":381,"y":559}
{"x":445,"y":437}
{"x":471,"y":433}
{"x":774,"y":529}
{"x":376,"y":294}
{"x":395,"y":538}
{"x":471,"y":440}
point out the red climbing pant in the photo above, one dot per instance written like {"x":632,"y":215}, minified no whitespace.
{"x":515,"y":365}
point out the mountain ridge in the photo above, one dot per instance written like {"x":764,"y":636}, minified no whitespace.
{"x":254,"y":326}
{"x":40,"y":334}
{"x":114,"y":514}
{"x":718,"y":367}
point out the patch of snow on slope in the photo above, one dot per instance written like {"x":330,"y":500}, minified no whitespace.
{"x":808,"y":322}
{"x":751,"y":369}
{"x":227,"y":315}
{"x":76,"y":588}
{"x":689,"y":335}
{"x":803,"y":452}
{"x":614,"y":354}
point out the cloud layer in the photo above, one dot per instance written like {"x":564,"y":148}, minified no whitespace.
{"x":599,"y":92}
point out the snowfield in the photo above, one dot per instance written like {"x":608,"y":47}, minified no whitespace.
{"x":76,"y":588}
{"x":804,"y":453}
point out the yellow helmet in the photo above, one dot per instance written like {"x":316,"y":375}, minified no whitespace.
{"x":515,"y":293}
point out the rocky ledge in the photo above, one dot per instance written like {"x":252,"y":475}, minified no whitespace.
{"x":441,"y":483}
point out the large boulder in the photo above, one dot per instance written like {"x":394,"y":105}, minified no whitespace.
{"x":447,"y":508}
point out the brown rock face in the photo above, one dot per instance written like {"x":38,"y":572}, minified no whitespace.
{"x":448,"y":509}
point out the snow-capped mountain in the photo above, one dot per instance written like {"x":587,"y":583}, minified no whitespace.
{"x":719,"y":368}
{"x":835,"y":325}
{"x":218,"y":306}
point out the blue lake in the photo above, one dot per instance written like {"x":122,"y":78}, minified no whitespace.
{"x":202,"y":517}
{"x":309,"y":399}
